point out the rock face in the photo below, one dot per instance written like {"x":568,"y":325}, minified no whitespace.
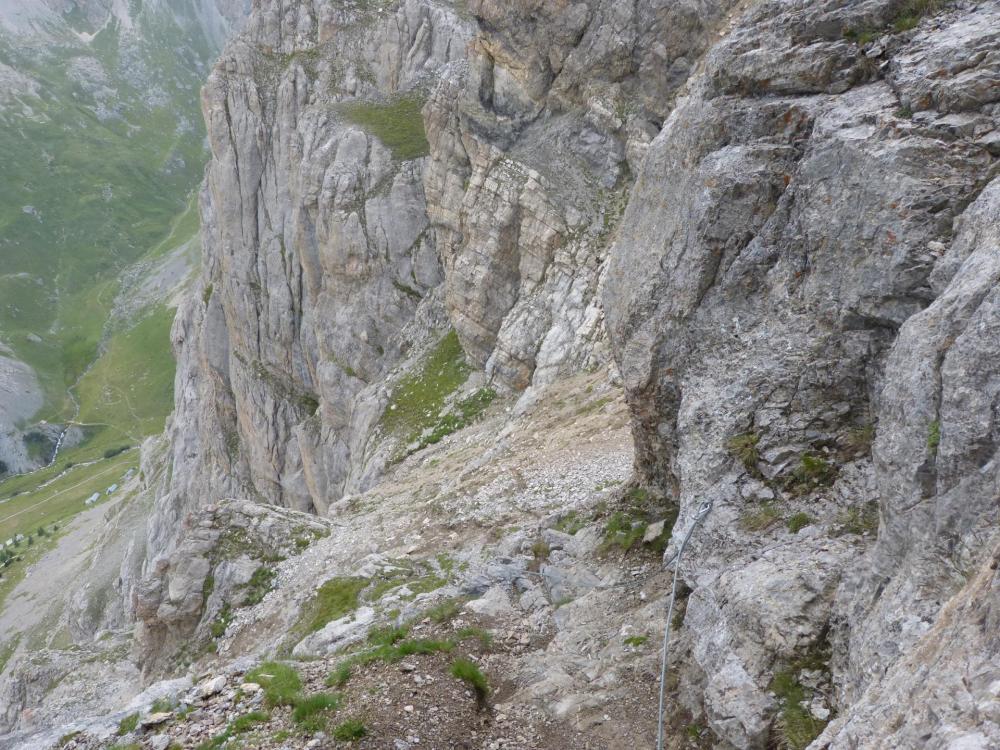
{"x":780,"y":220}
{"x":806,"y":263}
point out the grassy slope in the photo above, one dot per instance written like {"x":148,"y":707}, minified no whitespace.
{"x":104,"y":188}
{"x":106,"y":193}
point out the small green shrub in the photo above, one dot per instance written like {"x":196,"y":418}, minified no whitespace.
{"x":470,"y":673}
{"x":281,"y":683}
{"x":112,"y":452}
{"x":128,"y":724}
{"x":799,"y":521}
{"x":310,"y":713}
{"x":636,"y":640}
{"x":350,"y":730}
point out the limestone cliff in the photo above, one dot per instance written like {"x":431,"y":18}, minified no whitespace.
{"x":774,"y":223}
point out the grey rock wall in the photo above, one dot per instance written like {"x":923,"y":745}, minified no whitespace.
{"x":778,"y":218}
{"x":806,"y":259}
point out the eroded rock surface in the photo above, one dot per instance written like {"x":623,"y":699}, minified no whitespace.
{"x":773,"y":224}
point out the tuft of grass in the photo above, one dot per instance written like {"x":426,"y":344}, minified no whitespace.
{"x":796,"y":726}
{"x":934,"y":435}
{"x":340,"y":676}
{"x":540,"y":550}
{"x":910,"y":12}
{"x":221,"y":622}
{"x":636,"y":640}
{"x":859,"y":520}
{"x":260,"y":583}
{"x":469,"y":672}
{"x":388,"y":636}
{"x":446,"y":610}
{"x":67,"y":738}
{"x":744,"y":448}
{"x":484,"y":636}
{"x":128,"y":724}
{"x":570,"y":523}
{"x":759,"y":519}
{"x":349,"y":730}
{"x":310,"y":713}
{"x":246,"y":722}
{"x":281,"y":683}
{"x":161,"y":706}
{"x":623,"y":532}
{"x":812,"y":473}
{"x":799,"y":521}
{"x":398,"y":124}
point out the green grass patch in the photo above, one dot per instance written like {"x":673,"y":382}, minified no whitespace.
{"x":571,"y":523}
{"x":398,"y":124}
{"x":340,"y":675}
{"x":349,"y":730}
{"x":222,"y":620}
{"x":260,"y":583}
{"x":419,"y":398}
{"x":859,"y":520}
{"x":799,"y":521}
{"x":446,"y":610}
{"x":281,"y":683}
{"x":247,"y":722}
{"x":636,"y":640}
{"x":312,"y":712}
{"x":469,"y":672}
{"x":334,"y":599}
{"x":813,"y":472}
{"x":388,"y":636}
{"x":128,"y":724}
{"x":795,"y":726}
{"x":623,"y":532}
{"x":131,"y":386}
{"x":934,"y":435}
